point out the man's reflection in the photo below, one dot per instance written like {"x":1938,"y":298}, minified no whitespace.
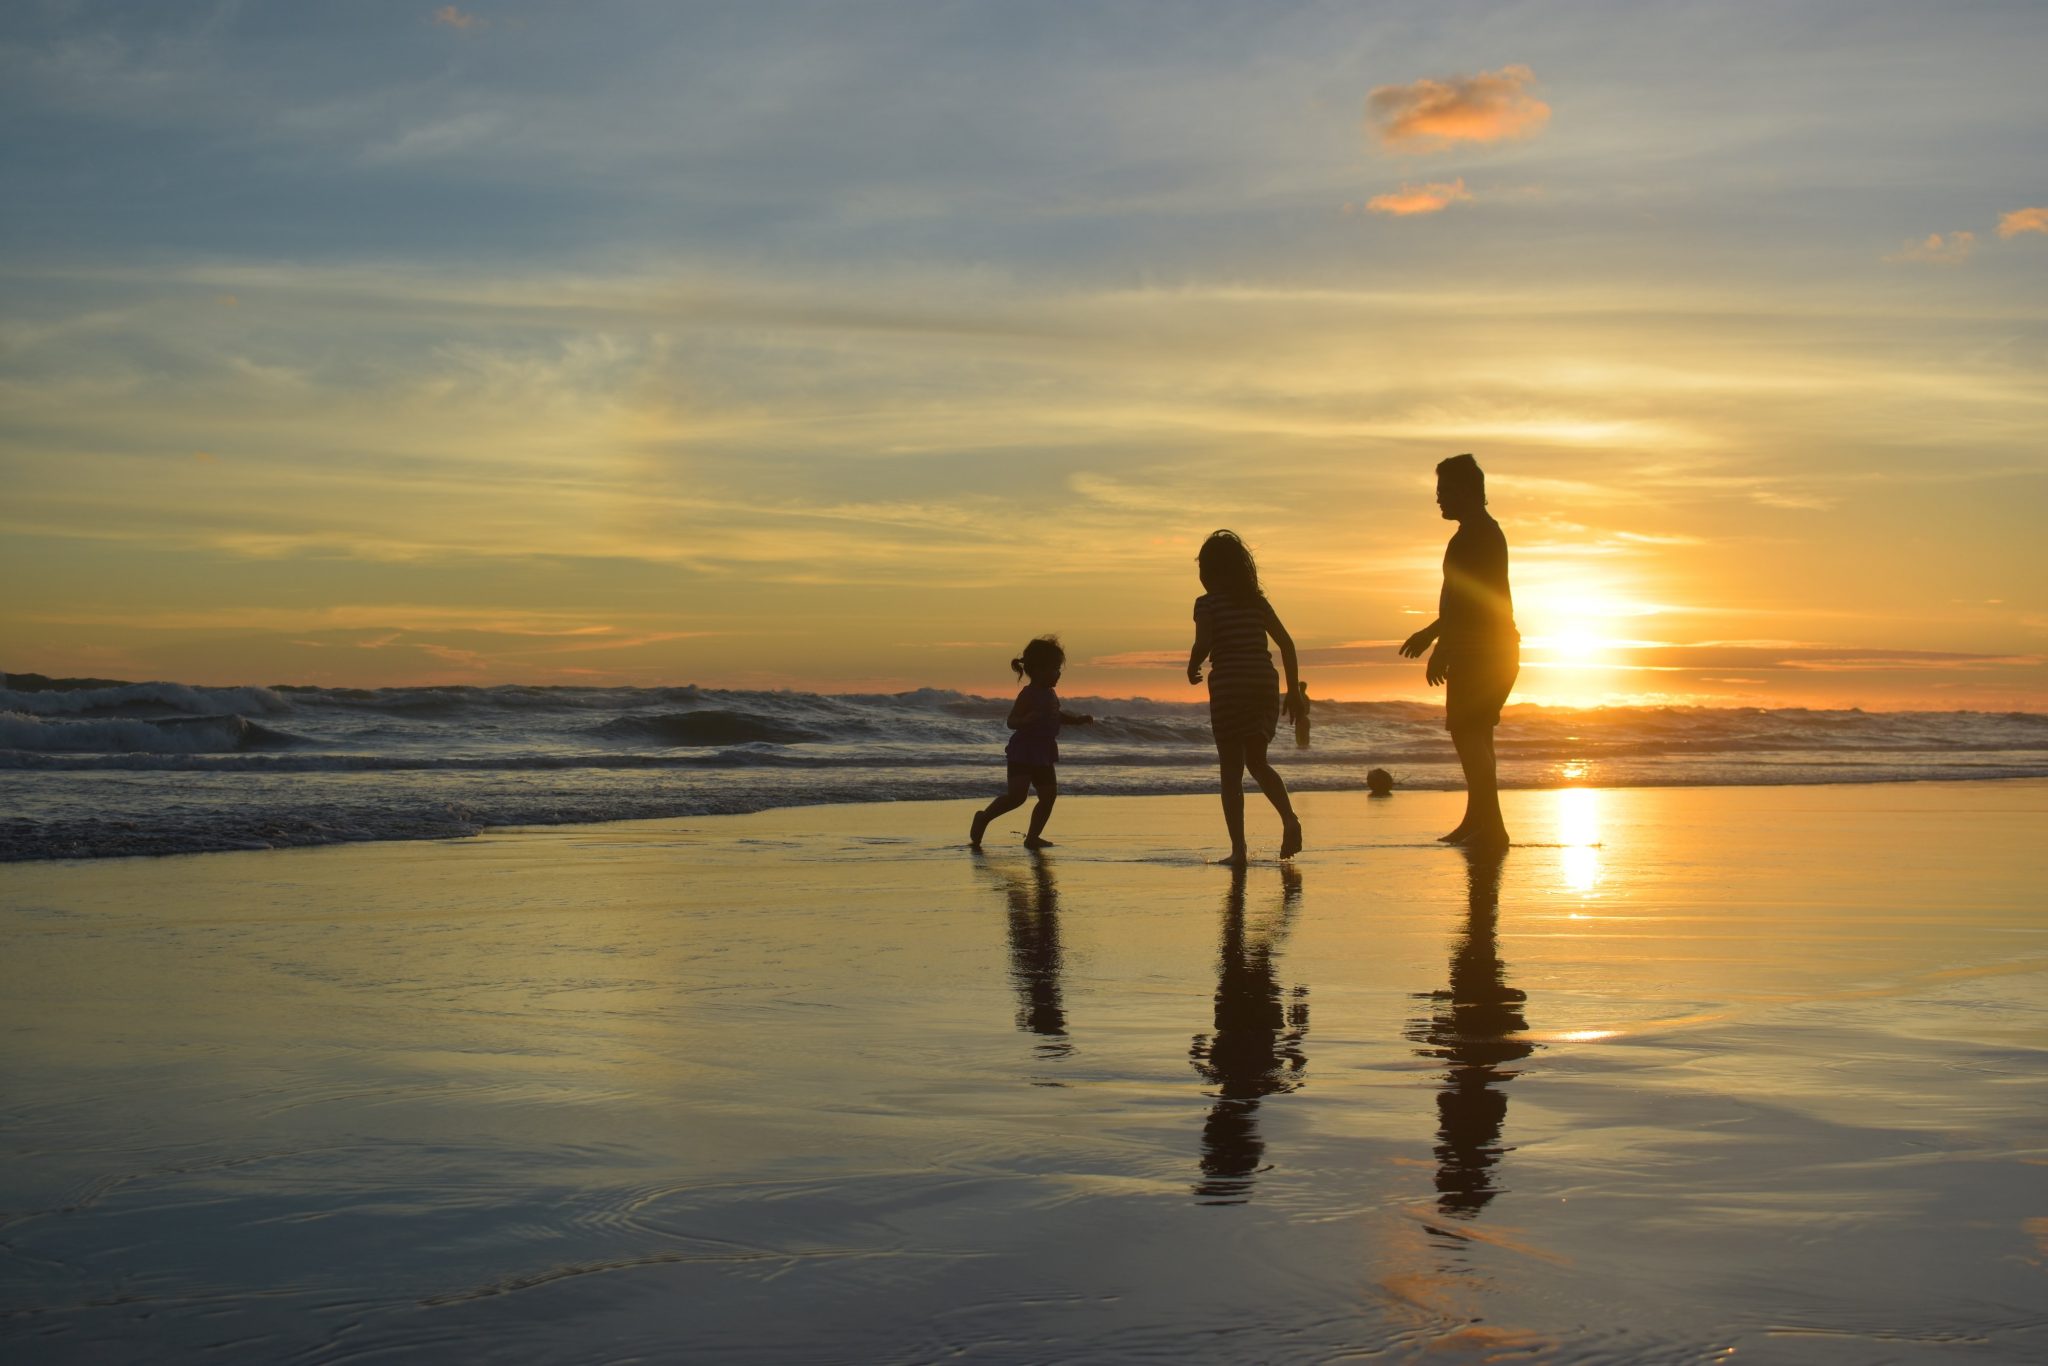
{"x":1255,"y":1050}
{"x":1470,"y":1027}
{"x":1035,"y":955}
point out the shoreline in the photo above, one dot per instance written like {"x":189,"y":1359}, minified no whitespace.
{"x":1068,"y":796}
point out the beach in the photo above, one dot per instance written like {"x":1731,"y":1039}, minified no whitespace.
{"x":1691,"y":1074}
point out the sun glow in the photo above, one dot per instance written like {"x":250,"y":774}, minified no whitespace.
{"x":1578,"y":830}
{"x":1576,"y":641}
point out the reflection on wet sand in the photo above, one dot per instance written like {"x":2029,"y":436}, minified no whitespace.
{"x":1035,"y":956}
{"x":1255,"y":1050}
{"x":1472,"y":1028}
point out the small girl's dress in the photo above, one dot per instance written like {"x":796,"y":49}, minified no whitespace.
{"x":1244,"y":688}
{"x":1035,"y":744}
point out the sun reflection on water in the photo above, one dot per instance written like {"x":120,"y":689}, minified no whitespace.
{"x":1578,"y":830}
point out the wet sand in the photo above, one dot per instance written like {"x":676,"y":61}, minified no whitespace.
{"x":1691,"y":1074}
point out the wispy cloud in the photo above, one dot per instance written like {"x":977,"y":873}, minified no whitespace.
{"x":1937,"y":249}
{"x":448,"y":16}
{"x":2031,"y":219}
{"x":1433,"y":114}
{"x":1410,"y":200}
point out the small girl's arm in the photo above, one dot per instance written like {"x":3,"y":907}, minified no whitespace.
{"x":1200,"y":650}
{"x":1068,"y":718}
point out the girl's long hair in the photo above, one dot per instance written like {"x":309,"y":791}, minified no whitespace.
{"x":1227,"y":567}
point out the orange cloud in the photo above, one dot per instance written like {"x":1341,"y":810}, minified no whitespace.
{"x":2034,"y":219}
{"x":1938,"y":250}
{"x":450,"y":17}
{"x":1434,"y":197}
{"x":1430,"y":115}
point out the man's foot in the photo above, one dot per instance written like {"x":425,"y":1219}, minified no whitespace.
{"x":1290,"y":838}
{"x":980,"y":828}
{"x":1239,"y":858}
{"x":1490,"y":839}
{"x":1037,"y":842}
{"x":1458,"y":836}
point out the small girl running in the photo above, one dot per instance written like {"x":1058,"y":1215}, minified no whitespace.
{"x":1232,"y":621}
{"x":1035,"y":720}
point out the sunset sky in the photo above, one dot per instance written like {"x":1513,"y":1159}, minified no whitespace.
{"x":845,"y":346}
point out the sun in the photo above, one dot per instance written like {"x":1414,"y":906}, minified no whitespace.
{"x":1576,"y":637}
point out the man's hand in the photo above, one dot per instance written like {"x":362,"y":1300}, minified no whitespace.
{"x":1413,"y":647}
{"x":1437,"y":670}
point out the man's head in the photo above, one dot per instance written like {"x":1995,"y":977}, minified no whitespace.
{"x":1460,"y":488}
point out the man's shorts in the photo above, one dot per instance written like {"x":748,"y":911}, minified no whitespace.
{"x":1478,"y":685}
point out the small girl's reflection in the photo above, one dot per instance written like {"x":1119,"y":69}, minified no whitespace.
{"x":1255,"y":1050}
{"x":1035,"y":957}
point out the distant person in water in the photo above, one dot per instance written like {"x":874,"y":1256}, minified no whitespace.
{"x":1379,"y":783}
{"x":1478,"y":650}
{"x":1035,"y":720}
{"x":1232,"y":621}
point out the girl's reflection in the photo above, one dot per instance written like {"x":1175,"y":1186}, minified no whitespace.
{"x":1471,"y":1028}
{"x":1035,"y":955}
{"x":1255,"y":1050}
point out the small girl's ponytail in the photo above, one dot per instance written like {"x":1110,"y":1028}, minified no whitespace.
{"x":1017,"y":666}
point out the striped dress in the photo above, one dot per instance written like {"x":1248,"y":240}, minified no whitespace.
{"x":1244,"y":688}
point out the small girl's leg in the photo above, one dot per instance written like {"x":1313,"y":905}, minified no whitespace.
{"x":1012,"y":798}
{"x":1048,"y":784}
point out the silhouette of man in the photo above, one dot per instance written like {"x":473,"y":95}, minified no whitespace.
{"x":1478,"y":650}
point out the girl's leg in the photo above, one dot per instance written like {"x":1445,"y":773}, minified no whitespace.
{"x":1048,"y":784}
{"x":1012,"y":798}
{"x":1270,"y":782}
{"x":1230,"y":758}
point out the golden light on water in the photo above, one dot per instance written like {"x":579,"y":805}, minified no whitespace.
{"x":1578,"y":830}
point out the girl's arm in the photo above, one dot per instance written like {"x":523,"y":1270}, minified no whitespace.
{"x":1068,"y":718}
{"x":1288,"y":660}
{"x":1200,"y":651}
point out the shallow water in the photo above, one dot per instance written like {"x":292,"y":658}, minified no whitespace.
{"x":1691,"y":1073}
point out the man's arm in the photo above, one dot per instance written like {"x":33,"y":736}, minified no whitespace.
{"x":1413,"y":647}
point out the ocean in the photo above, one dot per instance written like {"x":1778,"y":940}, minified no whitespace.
{"x":98,"y":769}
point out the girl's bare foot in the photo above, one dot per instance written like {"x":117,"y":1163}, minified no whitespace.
{"x":1036,"y":842}
{"x":980,"y":828}
{"x":1458,"y":836}
{"x":1290,"y":838}
{"x":1239,"y":858}
{"x":1490,"y":839}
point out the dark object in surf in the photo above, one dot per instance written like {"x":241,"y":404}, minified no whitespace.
{"x":1379,"y":782}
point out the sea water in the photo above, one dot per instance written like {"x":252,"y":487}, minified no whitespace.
{"x":104,"y":769}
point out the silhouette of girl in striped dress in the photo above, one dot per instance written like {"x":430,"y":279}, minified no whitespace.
{"x":1232,"y":621}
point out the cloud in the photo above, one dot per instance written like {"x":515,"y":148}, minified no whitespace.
{"x":450,"y":17}
{"x":1409,"y":200}
{"x":1951,"y":250}
{"x":1430,"y":115}
{"x":2033,"y":219}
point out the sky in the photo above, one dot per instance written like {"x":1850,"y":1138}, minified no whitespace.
{"x":846,"y":346}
